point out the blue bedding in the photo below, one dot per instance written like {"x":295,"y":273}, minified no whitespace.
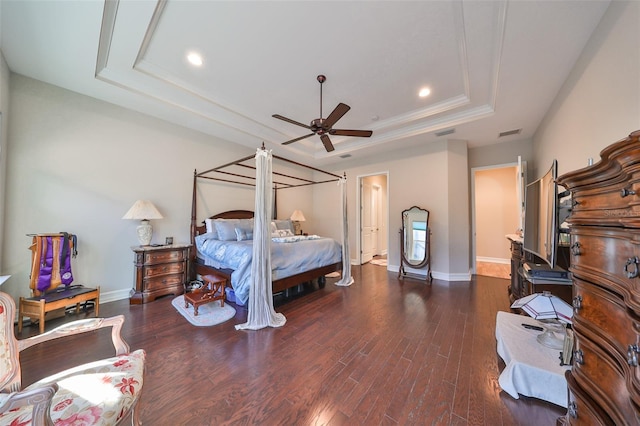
{"x":287,"y":258}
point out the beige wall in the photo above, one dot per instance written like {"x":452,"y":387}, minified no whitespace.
{"x":600,"y":102}
{"x":459,"y":253}
{"x":496,"y":212}
{"x":435,"y":177}
{"x":502,"y":153}
{"x":4,"y":131}
{"x":77,"y":164}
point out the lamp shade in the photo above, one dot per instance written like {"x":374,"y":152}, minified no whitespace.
{"x":297,"y":216}
{"x":545,"y":306}
{"x":143,"y":210}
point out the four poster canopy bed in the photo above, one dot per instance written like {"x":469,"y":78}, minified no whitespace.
{"x":224,"y":243}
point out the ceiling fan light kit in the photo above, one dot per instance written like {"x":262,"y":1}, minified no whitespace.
{"x":323,"y":127}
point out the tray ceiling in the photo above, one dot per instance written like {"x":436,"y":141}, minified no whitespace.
{"x":491,"y":66}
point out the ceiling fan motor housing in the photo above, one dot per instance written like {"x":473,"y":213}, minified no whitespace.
{"x":317,"y":126}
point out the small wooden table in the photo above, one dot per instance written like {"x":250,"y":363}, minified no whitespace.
{"x":531,"y":369}
{"x":213,"y":290}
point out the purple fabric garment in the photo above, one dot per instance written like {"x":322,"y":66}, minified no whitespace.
{"x":45,"y":275}
{"x":65,"y":261}
{"x":46,"y":266}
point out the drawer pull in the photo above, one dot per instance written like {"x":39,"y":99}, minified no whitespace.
{"x":575,"y":249}
{"x":577,"y":303}
{"x":572,"y":410}
{"x":632,"y":272}
{"x":632,"y":355}
{"x":578,"y":357}
{"x":625,"y":192}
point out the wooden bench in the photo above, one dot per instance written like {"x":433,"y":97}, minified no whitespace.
{"x":37,"y":307}
{"x":214,"y":288}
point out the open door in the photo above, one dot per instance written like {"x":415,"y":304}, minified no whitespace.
{"x":367,"y":221}
{"x":521,"y":184}
{"x":373,"y":216}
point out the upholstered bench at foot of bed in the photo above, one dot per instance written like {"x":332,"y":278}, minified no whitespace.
{"x":98,"y":393}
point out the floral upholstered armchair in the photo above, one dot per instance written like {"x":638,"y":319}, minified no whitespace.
{"x":102,"y":392}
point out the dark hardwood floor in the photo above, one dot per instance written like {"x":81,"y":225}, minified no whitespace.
{"x":382,"y":351}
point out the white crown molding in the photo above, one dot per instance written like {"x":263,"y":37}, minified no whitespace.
{"x":225,"y":120}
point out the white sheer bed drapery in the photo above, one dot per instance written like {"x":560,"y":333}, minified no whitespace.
{"x":346,"y":279}
{"x":260,"y":307}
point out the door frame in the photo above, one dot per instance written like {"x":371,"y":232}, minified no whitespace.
{"x":473,"y":207}
{"x":377,"y":190}
{"x":359,"y":179}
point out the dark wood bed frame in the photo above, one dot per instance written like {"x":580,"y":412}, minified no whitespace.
{"x":198,"y":268}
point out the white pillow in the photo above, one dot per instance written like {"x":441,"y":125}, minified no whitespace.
{"x":284,"y":224}
{"x":282,"y":233}
{"x":211,"y":228}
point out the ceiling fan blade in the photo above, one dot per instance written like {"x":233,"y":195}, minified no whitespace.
{"x":344,"y":132}
{"x":327,"y":143}
{"x":297,"y":139}
{"x":336,"y":115}
{"x":288,"y":120}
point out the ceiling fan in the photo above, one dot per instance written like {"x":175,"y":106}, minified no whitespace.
{"x":324,"y":126}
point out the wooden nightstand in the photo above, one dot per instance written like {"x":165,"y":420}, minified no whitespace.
{"x":159,"y":271}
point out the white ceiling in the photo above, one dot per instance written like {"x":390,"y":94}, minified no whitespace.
{"x":492,"y":66}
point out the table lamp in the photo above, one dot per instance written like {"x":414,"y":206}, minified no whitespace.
{"x":297,"y":217}
{"x":552,"y":310}
{"x":143,"y":210}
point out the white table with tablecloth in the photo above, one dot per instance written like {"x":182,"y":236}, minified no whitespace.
{"x":531,"y":369}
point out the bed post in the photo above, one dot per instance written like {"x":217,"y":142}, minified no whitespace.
{"x":275,"y":202}
{"x":193,"y":215}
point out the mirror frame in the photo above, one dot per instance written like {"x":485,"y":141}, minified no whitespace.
{"x":403,"y":253}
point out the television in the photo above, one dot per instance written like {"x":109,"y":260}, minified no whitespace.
{"x":541,"y":227}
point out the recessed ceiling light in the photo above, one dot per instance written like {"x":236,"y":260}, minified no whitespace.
{"x":194,"y":58}
{"x":424,"y":92}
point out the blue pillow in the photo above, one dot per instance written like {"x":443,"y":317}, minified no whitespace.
{"x":243,"y":234}
{"x":226,"y":229}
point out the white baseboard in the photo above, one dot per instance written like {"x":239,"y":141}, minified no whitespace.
{"x":422,"y":273}
{"x":493,"y":260}
{"x":112,"y":296}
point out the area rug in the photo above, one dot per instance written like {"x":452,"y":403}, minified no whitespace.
{"x":380,"y":262}
{"x":208,"y":315}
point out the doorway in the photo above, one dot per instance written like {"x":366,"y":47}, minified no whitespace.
{"x":497,"y":198}
{"x":373,"y":222}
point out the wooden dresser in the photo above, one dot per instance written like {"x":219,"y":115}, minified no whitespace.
{"x":159,"y":271}
{"x":604,"y":383}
